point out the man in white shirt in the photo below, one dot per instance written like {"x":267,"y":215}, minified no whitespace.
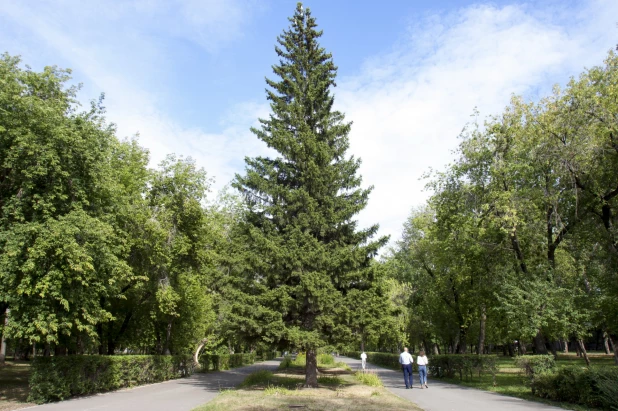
{"x":406,"y":360}
{"x":363,"y":360}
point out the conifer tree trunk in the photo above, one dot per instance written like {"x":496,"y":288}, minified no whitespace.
{"x":311,"y":369}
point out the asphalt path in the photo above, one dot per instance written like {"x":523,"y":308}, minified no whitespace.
{"x":182,"y":394}
{"x":446,"y":397}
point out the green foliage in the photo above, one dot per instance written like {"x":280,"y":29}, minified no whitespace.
{"x":218,"y":362}
{"x":535,"y":364}
{"x":310,"y":269}
{"x":325,"y":359}
{"x":463,"y":366}
{"x":286,"y":363}
{"x":300,"y":360}
{"x":383,"y":359}
{"x":368,"y":378}
{"x":591,"y":387}
{"x":61,"y":377}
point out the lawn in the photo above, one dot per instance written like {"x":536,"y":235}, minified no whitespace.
{"x":510,"y":380}
{"x":339,"y":389}
{"x":14,"y":385}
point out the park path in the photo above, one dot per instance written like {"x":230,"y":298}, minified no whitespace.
{"x":446,"y":397}
{"x":182,"y":394}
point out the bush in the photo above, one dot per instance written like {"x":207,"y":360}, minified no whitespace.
{"x":61,"y":377}
{"x":368,"y":378}
{"x":218,"y":362}
{"x":462,"y":365}
{"x":300,"y":360}
{"x":595,"y":387}
{"x":326,"y":359}
{"x":286,"y":363}
{"x":535,"y":364}
{"x":383,"y":359}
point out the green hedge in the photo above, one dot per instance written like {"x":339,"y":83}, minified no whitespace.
{"x":590,"y":387}
{"x":218,"y":362}
{"x":383,"y":359}
{"x":535,"y":364}
{"x":462,"y":365}
{"x":58,"y":378}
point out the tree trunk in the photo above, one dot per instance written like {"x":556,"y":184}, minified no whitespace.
{"x":582,"y":348}
{"x":606,"y":342}
{"x":566,"y":346}
{"x":47,"y":350}
{"x":509,"y":346}
{"x":463,"y":346}
{"x":100,"y":334}
{"x":539,"y":343}
{"x":552,"y":347}
{"x":482,"y":331}
{"x":311,"y":369}
{"x":363,"y":343}
{"x":522,"y":348}
{"x":436,"y":349}
{"x":168,"y":337}
{"x":3,"y":340}
{"x":614,"y":347}
{"x":196,"y":355}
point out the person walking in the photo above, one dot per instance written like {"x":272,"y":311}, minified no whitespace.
{"x":406,"y":360}
{"x":363,"y":360}
{"x":422,"y":362}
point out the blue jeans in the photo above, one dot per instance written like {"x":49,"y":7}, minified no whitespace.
{"x":407,"y":374}
{"x":422,"y":373}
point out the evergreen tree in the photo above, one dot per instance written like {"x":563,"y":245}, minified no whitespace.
{"x":302,"y":203}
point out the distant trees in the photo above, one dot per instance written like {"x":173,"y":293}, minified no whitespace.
{"x":518,"y":240}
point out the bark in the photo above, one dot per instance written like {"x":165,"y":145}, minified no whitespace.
{"x":362,"y":343}
{"x":100,"y":334}
{"x":582,"y":348}
{"x":196,"y":355}
{"x":168,"y":337}
{"x":539,"y":343}
{"x":606,"y":342}
{"x":552,"y":347}
{"x":509,"y":346}
{"x":522,"y":348}
{"x":482,"y":331}
{"x":566,"y":346}
{"x":436,"y":349}
{"x":311,"y":369}
{"x":614,"y":347}
{"x":3,"y":340}
{"x":47,"y":350}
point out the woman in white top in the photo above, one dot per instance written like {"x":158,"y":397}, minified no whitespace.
{"x":422,"y":362}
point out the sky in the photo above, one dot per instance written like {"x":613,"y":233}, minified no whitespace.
{"x":187,"y":76}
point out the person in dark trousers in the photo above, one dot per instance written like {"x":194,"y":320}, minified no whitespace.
{"x":406,"y":360}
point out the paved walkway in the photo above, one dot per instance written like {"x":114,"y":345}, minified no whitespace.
{"x":182,"y":394}
{"x":446,"y":397}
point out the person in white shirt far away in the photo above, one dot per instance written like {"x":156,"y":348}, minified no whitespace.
{"x":406,"y":360}
{"x":363,"y":360}
{"x":422,"y":362}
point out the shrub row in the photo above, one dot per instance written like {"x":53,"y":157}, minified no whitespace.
{"x":535,"y":364}
{"x":590,"y":387}
{"x":462,"y":365}
{"x":61,"y":377}
{"x":218,"y":362}
{"x":383,"y":359}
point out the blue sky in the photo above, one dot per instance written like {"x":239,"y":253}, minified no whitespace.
{"x":188,"y":75}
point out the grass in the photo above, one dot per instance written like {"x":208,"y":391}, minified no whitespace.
{"x":511,"y":381}
{"x":368,"y":378}
{"x":338,"y":389}
{"x":14,"y":385}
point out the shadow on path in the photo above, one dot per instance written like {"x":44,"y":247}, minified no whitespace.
{"x":444,"y":397}
{"x":182,"y":394}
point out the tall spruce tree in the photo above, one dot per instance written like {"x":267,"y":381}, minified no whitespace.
{"x":310,"y":255}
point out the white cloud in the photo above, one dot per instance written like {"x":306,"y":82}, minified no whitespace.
{"x":410,"y":105}
{"x":109,"y":47}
